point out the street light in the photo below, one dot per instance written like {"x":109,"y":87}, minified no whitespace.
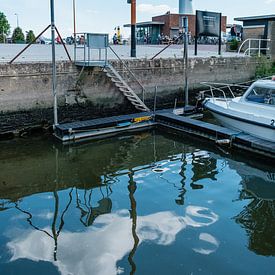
{"x":17,"y":19}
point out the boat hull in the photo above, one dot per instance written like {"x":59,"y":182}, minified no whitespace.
{"x":236,"y":122}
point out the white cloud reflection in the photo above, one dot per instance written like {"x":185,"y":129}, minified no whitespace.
{"x":98,"y":249}
{"x":210,"y":240}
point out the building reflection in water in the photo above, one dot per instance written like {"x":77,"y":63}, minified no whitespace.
{"x":258,"y":217}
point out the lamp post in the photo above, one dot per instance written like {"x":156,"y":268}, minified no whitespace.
{"x":17,"y":19}
{"x":133,"y":27}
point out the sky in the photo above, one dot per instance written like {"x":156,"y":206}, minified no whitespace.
{"x":104,"y":15}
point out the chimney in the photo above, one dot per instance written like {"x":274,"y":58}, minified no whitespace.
{"x":185,"y":7}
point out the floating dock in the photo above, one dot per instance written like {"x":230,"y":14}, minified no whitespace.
{"x":104,"y":127}
{"x":167,"y":120}
{"x":215,"y":133}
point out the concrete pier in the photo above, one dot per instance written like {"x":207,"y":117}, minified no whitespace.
{"x":26,"y":98}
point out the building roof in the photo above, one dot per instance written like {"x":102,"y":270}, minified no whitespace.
{"x":261,"y":17}
{"x":146,"y":24}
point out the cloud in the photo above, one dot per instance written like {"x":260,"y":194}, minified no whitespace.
{"x":270,"y":1}
{"x":154,"y":9}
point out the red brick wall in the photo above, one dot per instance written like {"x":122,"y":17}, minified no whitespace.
{"x":172,"y":21}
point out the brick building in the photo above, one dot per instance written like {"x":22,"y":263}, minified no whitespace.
{"x":260,"y":27}
{"x":171,"y":23}
{"x":168,"y":25}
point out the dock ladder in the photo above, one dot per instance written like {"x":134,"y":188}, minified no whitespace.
{"x":126,"y":90}
{"x":90,"y":42}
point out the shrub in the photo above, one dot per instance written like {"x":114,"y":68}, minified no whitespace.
{"x":30,"y":36}
{"x":18,"y":36}
{"x":265,"y":67}
{"x":234,"y":45}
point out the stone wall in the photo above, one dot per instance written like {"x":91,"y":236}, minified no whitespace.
{"x":26,"y":98}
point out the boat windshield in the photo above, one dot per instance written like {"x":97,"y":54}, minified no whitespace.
{"x":262,"y":95}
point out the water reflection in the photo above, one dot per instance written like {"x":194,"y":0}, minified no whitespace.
{"x":98,"y":249}
{"x":87,"y":232}
{"x":88,"y":212}
{"x":258,"y":217}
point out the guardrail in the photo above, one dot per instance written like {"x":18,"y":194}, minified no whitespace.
{"x":220,"y":88}
{"x":258,"y":49}
{"x":130,"y":72}
{"x":89,"y":42}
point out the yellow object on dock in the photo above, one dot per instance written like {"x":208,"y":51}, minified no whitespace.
{"x":141,"y":119}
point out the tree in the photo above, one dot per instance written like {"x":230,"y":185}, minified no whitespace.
{"x":18,"y":36}
{"x":4,"y":27}
{"x":30,"y":36}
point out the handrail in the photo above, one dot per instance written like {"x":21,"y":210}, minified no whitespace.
{"x":169,"y":44}
{"x":222,"y":86}
{"x":212,"y":88}
{"x":249,"y":49}
{"x":129,"y":70}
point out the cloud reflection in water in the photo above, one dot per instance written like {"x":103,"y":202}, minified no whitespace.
{"x":99,"y":248}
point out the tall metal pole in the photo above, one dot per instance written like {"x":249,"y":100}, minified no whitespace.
{"x":220,"y":35}
{"x":53,"y":66}
{"x":196,"y":35}
{"x":74,"y":19}
{"x":186,"y":89}
{"x":133,"y":28}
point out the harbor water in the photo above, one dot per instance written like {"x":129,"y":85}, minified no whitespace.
{"x":146,"y":203}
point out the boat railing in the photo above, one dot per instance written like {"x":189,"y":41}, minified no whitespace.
{"x":220,"y":88}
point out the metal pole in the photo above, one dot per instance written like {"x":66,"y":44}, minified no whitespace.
{"x":28,"y":45}
{"x":63,"y":44}
{"x":186,"y":88}
{"x":220,"y":35}
{"x":53,"y":66}
{"x":196,"y":35}
{"x":155,"y":99}
{"x":74,"y":20}
{"x":133,"y":28}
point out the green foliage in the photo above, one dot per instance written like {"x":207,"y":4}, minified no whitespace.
{"x":265,"y":67}
{"x":18,"y":36}
{"x":233,"y":45}
{"x":4,"y":27}
{"x":30,"y":36}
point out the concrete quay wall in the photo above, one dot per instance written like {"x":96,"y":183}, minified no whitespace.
{"x":26,"y":94}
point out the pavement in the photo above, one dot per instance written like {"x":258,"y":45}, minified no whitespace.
{"x":42,"y":53}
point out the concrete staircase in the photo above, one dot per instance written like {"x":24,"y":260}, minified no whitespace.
{"x":126,"y":90}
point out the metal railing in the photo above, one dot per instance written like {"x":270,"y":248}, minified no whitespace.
{"x":221,"y":87}
{"x":250,"y":49}
{"x":88,"y":46}
{"x":131,"y":73}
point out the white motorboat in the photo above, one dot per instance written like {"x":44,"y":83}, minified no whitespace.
{"x":252,"y":113}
